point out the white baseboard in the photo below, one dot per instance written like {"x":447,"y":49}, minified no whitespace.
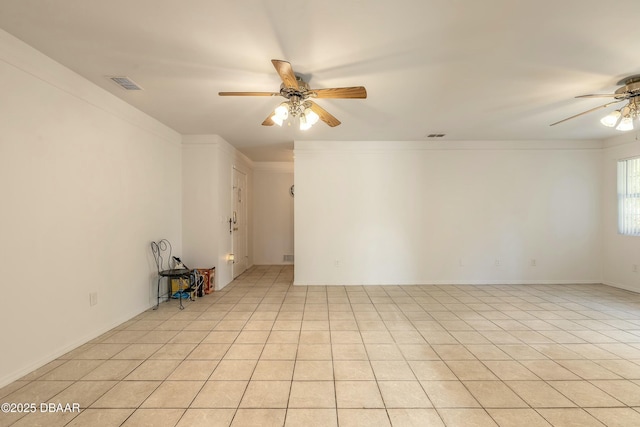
{"x":624,"y":287}
{"x":456,"y":283}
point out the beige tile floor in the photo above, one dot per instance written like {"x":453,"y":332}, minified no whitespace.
{"x":264,"y":353}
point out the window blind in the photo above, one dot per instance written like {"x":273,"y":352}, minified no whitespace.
{"x":629,"y":196}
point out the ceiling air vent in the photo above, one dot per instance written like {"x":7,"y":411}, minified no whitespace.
{"x":125,"y":83}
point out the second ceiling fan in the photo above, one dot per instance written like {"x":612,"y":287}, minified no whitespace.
{"x":622,"y":119}
{"x":298,"y":97}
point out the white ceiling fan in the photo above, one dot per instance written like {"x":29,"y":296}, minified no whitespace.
{"x":622,"y":119}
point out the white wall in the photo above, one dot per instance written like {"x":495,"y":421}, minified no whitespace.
{"x":419,"y":212}
{"x":207,"y":202}
{"x":273,"y":213}
{"x":88,"y":183}
{"x":620,"y":252}
{"x":200,"y":209}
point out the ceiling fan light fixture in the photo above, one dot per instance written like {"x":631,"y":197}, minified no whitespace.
{"x":626,"y":123}
{"x":297,"y":93}
{"x":311,"y":116}
{"x":277,"y":120}
{"x":282,"y":112}
{"x":304,"y":123}
{"x":611,"y":119}
{"x":621,"y":119}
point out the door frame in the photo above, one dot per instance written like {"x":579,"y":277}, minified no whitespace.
{"x":239,"y":259}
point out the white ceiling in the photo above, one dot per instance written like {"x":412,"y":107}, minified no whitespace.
{"x":474,"y":70}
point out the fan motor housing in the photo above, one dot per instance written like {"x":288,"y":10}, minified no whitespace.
{"x":302,"y":92}
{"x":630,"y":89}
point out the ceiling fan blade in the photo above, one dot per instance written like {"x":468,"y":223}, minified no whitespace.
{"x":285,"y":71}
{"x":587,"y":112}
{"x":356,"y":92}
{"x":324,"y":115}
{"x":268,"y":121}
{"x":248,"y":94}
{"x":605,"y":95}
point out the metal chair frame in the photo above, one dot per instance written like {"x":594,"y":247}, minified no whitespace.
{"x":160,"y":250}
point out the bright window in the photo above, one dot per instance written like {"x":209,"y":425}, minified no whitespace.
{"x":629,"y":196}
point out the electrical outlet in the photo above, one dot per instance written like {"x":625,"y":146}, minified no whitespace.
{"x":533,"y":262}
{"x":93,"y":299}
{"x":337,"y":263}
{"x":634,"y":268}
{"x":497,"y":262}
{"x":461,"y":262}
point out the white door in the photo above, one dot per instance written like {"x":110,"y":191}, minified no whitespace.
{"x":239,"y":218}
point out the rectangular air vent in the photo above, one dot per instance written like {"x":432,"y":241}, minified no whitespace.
{"x":287,"y":258}
{"x":435,"y":135}
{"x":125,"y":83}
